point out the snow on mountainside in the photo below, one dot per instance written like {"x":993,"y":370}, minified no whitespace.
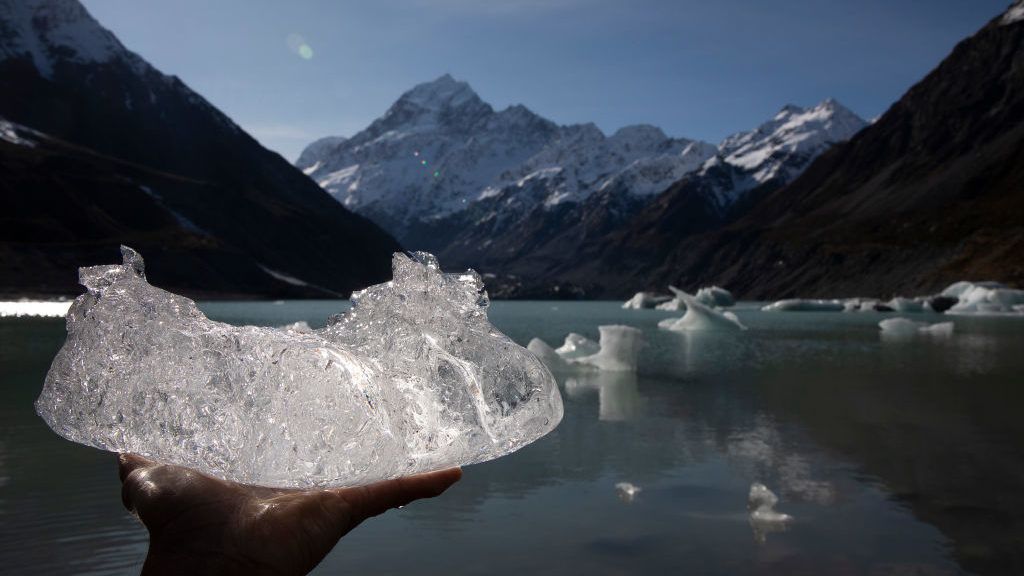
{"x":440,"y":149}
{"x":778,"y":150}
{"x":51,"y":31}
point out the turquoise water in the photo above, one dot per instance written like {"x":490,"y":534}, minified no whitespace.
{"x":895,"y":458}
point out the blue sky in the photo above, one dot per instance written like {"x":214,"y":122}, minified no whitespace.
{"x":700,"y":69}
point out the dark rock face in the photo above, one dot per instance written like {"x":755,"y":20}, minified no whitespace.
{"x":118,"y":125}
{"x":932,"y":193}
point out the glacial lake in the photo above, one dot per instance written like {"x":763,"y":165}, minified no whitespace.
{"x":895,"y":457}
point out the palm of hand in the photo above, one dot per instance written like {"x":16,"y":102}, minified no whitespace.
{"x":205,"y":525}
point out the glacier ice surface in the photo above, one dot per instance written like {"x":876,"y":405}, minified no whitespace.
{"x":413,"y":378}
{"x":700,"y":317}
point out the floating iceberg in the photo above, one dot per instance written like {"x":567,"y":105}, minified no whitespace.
{"x":803,"y":305}
{"x":577,"y":345}
{"x":40,"y":309}
{"x":909,"y":305}
{"x":302,"y":327}
{"x":627,"y":491}
{"x":700,"y":317}
{"x":413,"y":378}
{"x":984,"y":298}
{"x":761,"y":501}
{"x":713,"y":296}
{"x":865,"y":305}
{"x":901,"y":327}
{"x":642,"y":300}
{"x":618,"y":351}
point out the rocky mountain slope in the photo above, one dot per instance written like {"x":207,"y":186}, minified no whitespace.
{"x":108,"y":121}
{"x":931,"y":193}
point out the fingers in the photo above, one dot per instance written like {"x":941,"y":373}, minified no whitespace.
{"x":128,"y":463}
{"x":368,"y":501}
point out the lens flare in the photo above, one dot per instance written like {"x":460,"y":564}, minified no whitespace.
{"x":297,"y":45}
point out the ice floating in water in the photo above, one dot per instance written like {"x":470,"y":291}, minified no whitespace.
{"x":761,"y":502}
{"x":984,"y":298}
{"x":302,"y":327}
{"x":642,"y":300}
{"x":627,"y":491}
{"x":802,"y":305}
{"x":903,"y":327}
{"x":413,"y":378}
{"x":865,"y":305}
{"x":713,"y":296}
{"x":34,"y":308}
{"x":618,"y":351}
{"x":700,"y":317}
{"x":577,"y":345}
{"x":909,"y":305}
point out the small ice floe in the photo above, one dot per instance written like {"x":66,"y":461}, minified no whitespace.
{"x":908,"y":305}
{"x":39,"y":309}
{"x":642,"y":300}
{"x":865,"y":305}
{"x":984,"y":298}
{"x":300,"y":327}
{"x":805,"y":305}
{"x":577,"y":345}
{"x":761,"y":502}
{"x":713,"y":296}
{"x":699,"y":317}
{"x":618,"y":351}
{"x":627,"y":492}
{"x":903,"y":328}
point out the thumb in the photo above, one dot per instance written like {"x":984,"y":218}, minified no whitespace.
{"x":374,"y":499}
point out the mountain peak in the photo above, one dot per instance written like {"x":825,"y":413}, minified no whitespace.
{"x":47,"y":31}
{"x":1014,"y":14}
{"x":443,"y":92}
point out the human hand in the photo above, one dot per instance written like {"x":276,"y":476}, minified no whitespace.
{"x":202,"y":525}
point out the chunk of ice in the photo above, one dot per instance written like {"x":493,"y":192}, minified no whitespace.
{"x":577,"y":345}
{"x":700,"y":317}
{"x":902,"y":327}
{"x":713,"y":296}
{"x":627,"y":491}
{"x":642,"y":300}
{"x":619,"y":350}
{"x":803,"y":305}
{"x":984,"y":298}
{"x":413,"y":378}
{"x":761,"y":501}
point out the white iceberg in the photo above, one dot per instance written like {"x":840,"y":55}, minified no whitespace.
{"x":413,"y":378}
{"x":618,"y":351}
{"x":761,"y":502}
{"x":713,"y":296}
{"x":984,"y":298}
{"x":642,"y":300}
{"x":577,"y":345}
{"x":902,"y":327}
{"x":627,"y":491}
{"x":700,"y":317}
{"x":909,"y":305}
{"x":805,"y":305}
{"x":301,"y":327}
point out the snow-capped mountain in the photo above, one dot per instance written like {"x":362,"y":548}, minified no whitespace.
{"x":445,"y":172}
{"x":440,"y":148}
{"x":104,"y":149}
